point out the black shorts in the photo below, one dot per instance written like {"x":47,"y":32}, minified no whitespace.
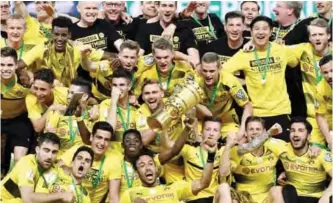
{"x":18,"y":130}
{"x":308,"y":199}
{"x":284,"y":121}
{"x":202,"y":200}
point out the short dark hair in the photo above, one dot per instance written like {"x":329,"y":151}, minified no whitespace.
{"x":148,"y":81}
{"x":233,"y":14}
{"x":62,"y":22}
{"x":325,"y":60}
{"x":132,"y":132}
{"x":122,"y":73}
{"x":255,"y":2}
{"x":211,"y":119}
{"x":48,"y":137}
{"x":143,"y":153}
{"x":84,"y":149}
{"x":9,"y":52}
{"x":45,"y":75}
{"x":162,"y":44}
{"x":130,"y":44}
{"x":79,"y":81}
{"x":254,"y":118}
{"x":102,"y":125}
{"x":299,"y":119}
{"x":262,"y":18}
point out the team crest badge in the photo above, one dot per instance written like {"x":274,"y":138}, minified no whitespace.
{"x":149,"y":60}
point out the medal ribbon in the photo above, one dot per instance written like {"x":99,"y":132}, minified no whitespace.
{"x":98,"y":179}
{"x":263,"y":74}
{"x":128,"y":181}
{"x":21,"y":49}
{"x":169,"y":77}
{"x":9,"y":86}
{"x":210,"y":26}
{"x":213,"y":95}
{"x":201,"y":157}
{"x":45,"y":31}
{"x":79,"y":199}
{"x":72,"y":133}
{"x":125,"y":125}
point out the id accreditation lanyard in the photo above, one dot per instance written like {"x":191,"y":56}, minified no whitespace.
{"x":96,"y":181}
{"x":79,"y":198}
{"x":128,"y":181}
{"x":264,"y":72}
{"x":210,"y":26}
{"x":125,"y":125}
{"x":169,"y":77}
{"x":21,"y":49}
{"x":8,"y":87}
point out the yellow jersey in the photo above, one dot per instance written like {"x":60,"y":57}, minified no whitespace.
{"x":36,"y":109}
{"x":66,"y":129}
{"x":36,"y":31}
{"x":13,"y":99}
{"x":63,"y":183}
{"x":97,"y":180}
{"x":178,"y":74}
{"x":220,"y":99}
{"x":269,"y":97}
{"x":173,"y":193}
{"x":195,"y":161}
{"x":130,"y":119}
{"x":255,"y":175}
{"x":41,"y":53}
{"x":324,"y":101}
{"x":25,"y":173}
{"x":307,"y":175}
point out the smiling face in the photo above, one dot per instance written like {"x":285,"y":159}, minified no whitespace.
{"x":100,"y":142}
{"x":46,"y":154}
{"x":299,"y":136}
{"x":318,"y":37}
{"x":42,"y":90}
{"x":152,"y":95}
{"x":326,"y":71}
{"x":147,"y":170}
{"x":261,"y":33}
{"x":7,"y":67}
{"x":132,"y":145}
{"x":128,"y":58}
{"x":60,"y":36}
{"x":167,"y":10}
{"x":282,"y":11}
{"x":323,"y":7}
{"x":149,"y":8}
{"x":234,"y":29}
{"x":15,"y":29}
{"x":250,"y":10}
{"x":40,"y":11}
{"x":202,"y":7}
{"x":81,"y":164}
{"x":88,"y":11}
{"x":113,"y":9}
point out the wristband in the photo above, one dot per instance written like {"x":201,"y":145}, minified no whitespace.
{"x":210,"y":157}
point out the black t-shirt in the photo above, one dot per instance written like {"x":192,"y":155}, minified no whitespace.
{"x":4,"y":34}
{"x":201,"y":33}
{"x":101,"y":35}
{"x":247,"y":34}
{"x":183,"y":38}
{"x":128,"y":31}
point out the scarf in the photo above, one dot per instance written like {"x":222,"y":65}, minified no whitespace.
{"x":63,"y":70}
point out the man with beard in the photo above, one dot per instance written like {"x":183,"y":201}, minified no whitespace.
{"x":206,"y":27}
{"x":150,"y":190}
{"x":166,"y":70}
{"x":71,"y":180}
{"x":118,"y":111}
{"x":309,"y":55}
{"x":222,"y":90}
{"x":97,"y":181}
{"x":59,"y":55}
{"x":5,"y":13}
{"x":307,"y":175}
{"x":250,"y":10}
{"x":254,"y":173}
{"x":324,"y":99}
{"x":264,"y":71}
{"x":19,"y":185}
{"x":183,"y":39}
{"x":66,"y":127}
{"x":44,"y":98}
{"x":39,"y":28}
{"x":15,"y":125}
{"x":102,"y":71}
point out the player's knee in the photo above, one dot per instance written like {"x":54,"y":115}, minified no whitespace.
{"x":224,"y":189}
{"x":289,"y":193}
